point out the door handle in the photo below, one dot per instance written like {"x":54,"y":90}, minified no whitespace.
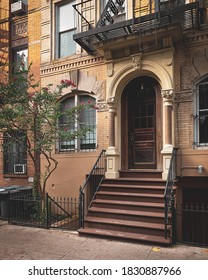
{"x":132,"y":138}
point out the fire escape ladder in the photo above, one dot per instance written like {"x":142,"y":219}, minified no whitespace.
{"x":112,"y":9}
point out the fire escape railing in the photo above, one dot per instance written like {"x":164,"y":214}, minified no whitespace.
{"x":112,"y":8}
{"x":169,"y":194}
{"x":89,"y":189}
{"x":4,"y":44}
{"x":107,"y":28}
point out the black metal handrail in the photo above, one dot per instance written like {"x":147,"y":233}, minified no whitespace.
{"x":169,"y":191}
{"x":88,"y":191}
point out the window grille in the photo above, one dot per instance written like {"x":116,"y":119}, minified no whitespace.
{"x":14,"y":152}
{"x":86,"y":119}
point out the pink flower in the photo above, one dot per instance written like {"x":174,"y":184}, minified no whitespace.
{"x":68,"y":83}
{"x":89,"y":101}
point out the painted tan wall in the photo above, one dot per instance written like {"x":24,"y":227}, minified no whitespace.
{"x":70,"y":174}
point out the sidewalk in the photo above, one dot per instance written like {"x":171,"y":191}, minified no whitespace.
{"x":26,"y":243}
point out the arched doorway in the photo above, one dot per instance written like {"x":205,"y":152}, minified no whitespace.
{"x":141,"y":124}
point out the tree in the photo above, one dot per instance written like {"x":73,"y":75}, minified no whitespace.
{"x":34,"y":113}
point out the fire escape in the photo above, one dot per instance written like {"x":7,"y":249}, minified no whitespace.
{"x":4,"y":44}
{"x":148,"y":19}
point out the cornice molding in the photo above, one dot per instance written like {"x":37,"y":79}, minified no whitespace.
{"x":63,"y":66}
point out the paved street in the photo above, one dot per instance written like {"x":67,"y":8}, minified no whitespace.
{"x":26,"y":243}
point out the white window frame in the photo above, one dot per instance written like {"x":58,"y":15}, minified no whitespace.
{"x":72,"y":29}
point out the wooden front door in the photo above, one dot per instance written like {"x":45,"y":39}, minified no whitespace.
{"x":142,"y":129}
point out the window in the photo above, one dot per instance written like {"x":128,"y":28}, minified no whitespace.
{"x":15,"y":152}
{"x":65,"y":30}
{"x":201,"y":116}
{"x":86,"y":119}
{"x":20,"y":59}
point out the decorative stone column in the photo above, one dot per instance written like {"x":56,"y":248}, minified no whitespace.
{"x":167,"y":130}
{"x":112,"y":153}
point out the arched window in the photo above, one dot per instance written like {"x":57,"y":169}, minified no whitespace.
{"x":201,"y":116}
{"x":86,"y":119}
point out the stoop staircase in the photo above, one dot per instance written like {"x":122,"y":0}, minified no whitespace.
{"x":130,"y":207}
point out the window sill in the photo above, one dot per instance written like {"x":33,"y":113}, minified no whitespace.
{"x":15,"y":176}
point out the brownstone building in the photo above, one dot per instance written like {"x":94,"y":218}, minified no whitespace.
{"x":145,"y":65}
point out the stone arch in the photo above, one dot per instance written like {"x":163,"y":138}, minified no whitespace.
{"x":148,"y":68}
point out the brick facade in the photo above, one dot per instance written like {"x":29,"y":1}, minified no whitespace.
{"x":24,"y":30}
{"x":176,"y":63}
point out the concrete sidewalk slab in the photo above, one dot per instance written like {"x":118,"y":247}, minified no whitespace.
{"x":26,"y":243}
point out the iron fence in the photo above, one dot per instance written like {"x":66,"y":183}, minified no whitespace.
{"x":192,"y":223}
{"x":31,"y":210}
{"x":64,"y":212}
{"x":27,"y":210}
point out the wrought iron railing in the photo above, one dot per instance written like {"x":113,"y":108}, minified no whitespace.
{"x":25,"y":208}
{"x":63,"y":212}
{"x":169,"y":195}
{"x":88,"y":190}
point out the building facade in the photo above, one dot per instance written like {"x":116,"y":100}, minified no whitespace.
{"x":19,"y":43}
{"x":144,"y":63}
{"x":145,"y":66}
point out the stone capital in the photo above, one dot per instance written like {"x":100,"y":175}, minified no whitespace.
{"x":168,"y":96}
{"x":112,"y":104}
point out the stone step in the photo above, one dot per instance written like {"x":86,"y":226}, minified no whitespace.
{"x":135,"y":181}
{"x":129,"y":205}
{"x":130,"y":196}
{"x":125,"y":225}
{"x":142,"y":173}
{"x":125,"y":236}
{"x":133,"y":188}
{"x":130,"y":215}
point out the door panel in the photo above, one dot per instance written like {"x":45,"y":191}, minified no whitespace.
{"x":142,"y":130}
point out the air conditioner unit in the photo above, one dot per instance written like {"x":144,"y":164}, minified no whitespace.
{"x":19,"y":168}
{"x":18,"y":8}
